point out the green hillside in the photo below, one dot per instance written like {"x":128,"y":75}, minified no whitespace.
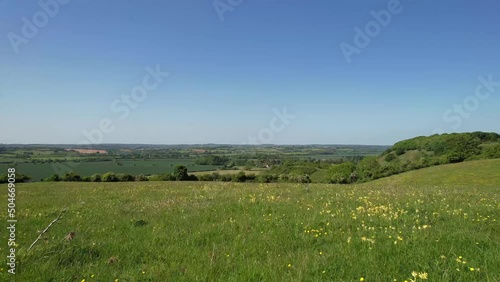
{"x":482,"y":173}
{"x":446,"y":148}
{"x":417,"y":153}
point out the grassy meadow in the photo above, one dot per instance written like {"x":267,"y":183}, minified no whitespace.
{"x":436,"y":224}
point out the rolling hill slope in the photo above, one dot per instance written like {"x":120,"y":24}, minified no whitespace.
{"x":484,"y":173}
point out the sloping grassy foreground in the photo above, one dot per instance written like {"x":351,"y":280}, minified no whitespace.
{"x":441,"y":223}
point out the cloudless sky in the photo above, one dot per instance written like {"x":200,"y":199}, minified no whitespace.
{"x":226,"y":77}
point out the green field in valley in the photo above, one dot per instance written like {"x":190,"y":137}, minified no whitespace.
{"x":44,"y":170}
{"x":436,"y":224}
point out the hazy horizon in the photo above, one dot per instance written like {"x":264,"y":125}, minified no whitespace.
{"x":185,"y":144}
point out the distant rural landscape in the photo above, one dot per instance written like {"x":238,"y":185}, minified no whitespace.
{"x":341,"y":164}
{"x":250,"y":141}
{"x":309,"y":213}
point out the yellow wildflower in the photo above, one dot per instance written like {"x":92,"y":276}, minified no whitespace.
{"x":423,"y":275}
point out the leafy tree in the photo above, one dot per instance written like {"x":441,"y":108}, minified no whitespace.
{"x":367,"y":168}
{"x":125,"y":177}
{"x":492,"y":151}
{"x":181,"y":173}
{"x":109,"y":177}
{"x":96,"y":178}
{"x":141,"y":177}
{"x":239,"y":177}
{"x":205,"y":177}
{"x":399,"y":151}
{"x":303,"y":178}
{"x":462,"y":146}
{"x":267,"y":178}
{"x":192,"y":177}
{"x":342,"y":173}
{"x":71,"y":176}
{"x":54,"y":178}
{"x":250,"y":177}
{"x":390,"y":157}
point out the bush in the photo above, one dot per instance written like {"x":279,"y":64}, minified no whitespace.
{"x":110,"y":177}
{"x":96,"y":178}
{"x":226,"y":177}
{"x":71,"y":176}
{"x":492,"y":151}
{"x":367,"y":168}
{"x":239,"y":177}
{"x":342,"y":173}
{"x":192,"y":177}
{"x":455,"y":158}
{"x":267,"y":178}
{"x":399,"y":151}
{"x":162,"y":177}
{"x":251,"y":177}
{"x":181,"y":173}
{"x":390,"y":157}
{"x":125,"y":177}
{"x":54,"y":178}
{"x":205,"y":177}
{"x":141,"y":177}
{"x":303,"y":179}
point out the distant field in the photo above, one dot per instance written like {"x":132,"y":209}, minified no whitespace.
{"x":39,"y":171}
{"x":440,"y":223}
{"x":229,"y":171}
{"x":87,"y":151}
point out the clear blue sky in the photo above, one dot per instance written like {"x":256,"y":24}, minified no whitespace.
{"x":226,"y":77}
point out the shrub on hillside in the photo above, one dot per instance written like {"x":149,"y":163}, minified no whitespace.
{"x":124,"y":177}
{"x":267,"y":178}
{"x":192,"y":177}
{"x":96,"y":178}
{"x":71,"y":176}
{"x":54,"y":178}
{"x":181,"y":173}
{"x":342,"y":173}
{"x":239,"y":177}
{"x":492,"y":152}
{"x":109,"y":177}
{"x":399,"y":151}
{"x":367,"y":169}
{"x":303,"y":179}
{"x":141,"y":177}
{"x":390,"y":157}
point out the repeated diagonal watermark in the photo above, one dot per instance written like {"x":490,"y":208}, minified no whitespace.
{"x":456,"y":114}
{"x":372,"y":29}
{"x":121,"y":107}
{"x":224,"y":6}
{"x":31,"y":26}
{"x":277,"y":124}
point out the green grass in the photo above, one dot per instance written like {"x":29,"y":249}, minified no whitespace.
{"x":471,"y":174}
{"x":430,"y":221}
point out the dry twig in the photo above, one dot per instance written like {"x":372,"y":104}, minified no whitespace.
{"x":47,"y":228}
